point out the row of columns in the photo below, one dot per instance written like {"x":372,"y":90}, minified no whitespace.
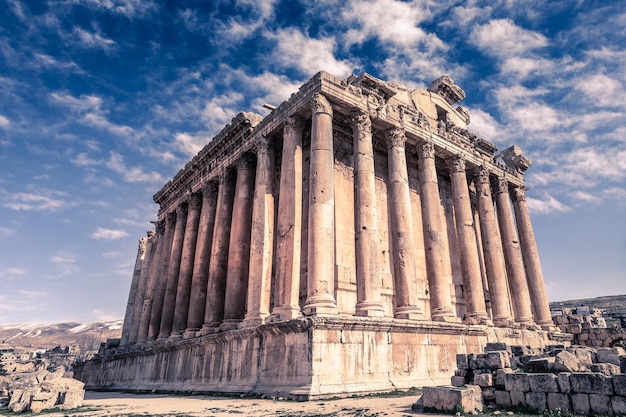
{"x":209,"y":265}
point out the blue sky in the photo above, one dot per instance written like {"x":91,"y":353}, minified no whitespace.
{"x":102,"y":101}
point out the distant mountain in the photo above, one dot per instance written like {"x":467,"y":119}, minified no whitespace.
{"x":609,"y":302}
{"x":86,"y":335}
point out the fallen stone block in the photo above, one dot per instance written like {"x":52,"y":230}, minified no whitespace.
{"x":516,"y":382}
{"x":568,"y":362}
{"x":497,"y":360}
{"x":543,"y":383}
{"x":451,"y":399}
{"x":619,"y":384}
{"x":542,"y":364}
{"x":503,"y":398}
{"x":457,"y":381}
{"x":622,"y":363}
{"x":462,"y":361}
{"x":607,"y":369}
{"x":483,"y":380}
{"x":591,"y":383}
{"x":563,"y":381}
{"x":610,"y":355}
{"x":600,"y":405}
{"x":490,"y":347}
{"x":536,"y":401}
{"x":489,"y":395}
{"x":580,"y":404}
{"x":498,"y":379}
{"x":518,"y":398}
{"x":558,"y":401}
{"x":618,"y":404}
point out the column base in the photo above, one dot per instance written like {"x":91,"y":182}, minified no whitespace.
{"x":480,"y":318}
{"x":503,"y":322}
{"x":444,"y":315}
{"x":285,"y":313}
{"x":190,"y":333}
{"x":369,"y":309}
{"x":208,"y":329}
{"x":320,"y":304}
{"x":409,"y":313}
{"x":177,"y":335}
{"x":254,"y":320}
{"x":229,"y":324}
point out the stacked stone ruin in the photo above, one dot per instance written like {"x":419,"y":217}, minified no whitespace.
{"x":354,"y":240}
{"x":575,"y":379}
{"x":589,"y":331}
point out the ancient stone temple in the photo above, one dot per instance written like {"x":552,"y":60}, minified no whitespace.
{"x":354,"y":240}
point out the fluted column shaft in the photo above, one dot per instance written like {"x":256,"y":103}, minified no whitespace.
{"x":512,"y":255}
{"x":183,"y":292}
{"x":289,"y":227}
{"x":153,"y":275}
{"x":532,"y":265}
{"x":239,"y":247}
{"x":161,"y":278}
{"x":405,"y":279}
{"x":200,"y":276}
{"x":173,"y":271}
{"x":321,"y":228}
{"x":475,"y":309}
{"x":368,"y":281}
{"x":214,"y":309}
{"x":129,"y":316}
{"x":262,"y":238}
{"x":439,"y":283}
{"x":492,"y":249}
{"x":141,"y":287}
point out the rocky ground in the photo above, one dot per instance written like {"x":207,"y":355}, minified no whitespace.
{"x":133,"y":405}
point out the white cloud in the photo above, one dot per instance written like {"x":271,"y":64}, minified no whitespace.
{"x":129,"y":8}
{"x":109,"y":234}
{"x":602,"y":90}
{"x":112,"y":254}
{"x":93,"y":40}
{"x":503,"y":38}
{"x":547,"y":205}
{"x":4,"y":122}
{"x":36,"y":202}
{"x":131,"y":174}
{"x":14,"y":272}
{"x":484,"y":125}
{"x":82,"y":160}
{"x":66,"y":262}
{"x":6,"y":231}
{"x":101,"y":315}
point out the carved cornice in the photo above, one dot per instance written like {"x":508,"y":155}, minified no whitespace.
{"x":456,"y":164}
{"x":320,"y":104}
{"x":395,"y":137}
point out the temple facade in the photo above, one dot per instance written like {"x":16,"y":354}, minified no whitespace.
{"x":354,"y":240}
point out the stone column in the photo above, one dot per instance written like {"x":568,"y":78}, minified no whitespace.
{"x":289,"y":227}
{"x":183,"y":292}
{"x":321,"y":228}
{"x":439,"y":283}
{"x":405,"y":280}
{"x":129,"y":316}
{"x":530,"y":256}
{"x":512,"y":255}
{"x":173,"y":271}
{"x":239,"y":247}
{"x":492,"y":249}
{"x":141,"y":287}
{"x":366,"y":237}
{"x":262,"y":238}
{"x":200,"y":276}
{"x":214,"y":309}
{"x":161,"y":278}
{"x":476,"y":311}
{"x":153,"y":275}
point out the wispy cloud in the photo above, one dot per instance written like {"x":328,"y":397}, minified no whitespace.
{"x":546,"y":205}
{"x":93,"y":40}
{"x":49,"y":201}
{"x":109,"y":234}
{"x":4,"y":122}
{"x":66,"y":262}
{"x":6,"y":231}
{"x":131,"y":174}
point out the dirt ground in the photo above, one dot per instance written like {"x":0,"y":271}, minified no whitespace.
{"x":115,"y":404}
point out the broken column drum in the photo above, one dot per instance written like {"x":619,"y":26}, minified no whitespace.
{"x":330,"y":247}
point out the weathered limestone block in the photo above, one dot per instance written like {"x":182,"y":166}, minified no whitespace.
{"x":563,"y":380}
{"x":607,"y":369}
{"x":543,"y":383}
{"x":575,"y":328}
{"x":568,"y":362}
{"x":622,"y":363}
{"x":618,"y":404}
{"x":518,"y":398}
{"x":498,"y":380}
{"x":542,"y":364}
{"x":43,"y":400}
{"x":457,"y":381}
{"x":591,"y":383}
{"x":610,"y":355}
{"x":600,"y":405}
{"x":483,"y":380}
{"x":462,"y":361}
{"x":536,"y":401}
{"x":580,"y":404}
{"x":491,"y":360}
{"x":495,"y":346}
{"x":20,"y":400}
{"x":619,"y":384}
{"x":489,"y":395}
{"x":503,"y":398}
{"x":516,"y":382}
{"x":453,"y":399}
{"x":585,"y":354}
{"x":557,"y":401}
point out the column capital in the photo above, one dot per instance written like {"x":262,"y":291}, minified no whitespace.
{"x":246,"y":162}
{"x":263,"y":145}
{"x":150,"y":233}
{"x":481,"y":175}
{"x":395,"y":137}
{"x":360,"y":120}
{"x":293,"y":124}
{"x":226,"y":176}
{"x":159,"y":227}
{"x":456,"y":164}
{"x":195,"y":201}
{"x":209,"y":188}
{"x":426,"y":149}
{"x":170,"y":219}
{"x":320,"y":104}
{"x":501,"y":185}
{"x":181,"y":210}
{"x":519,"y":194}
